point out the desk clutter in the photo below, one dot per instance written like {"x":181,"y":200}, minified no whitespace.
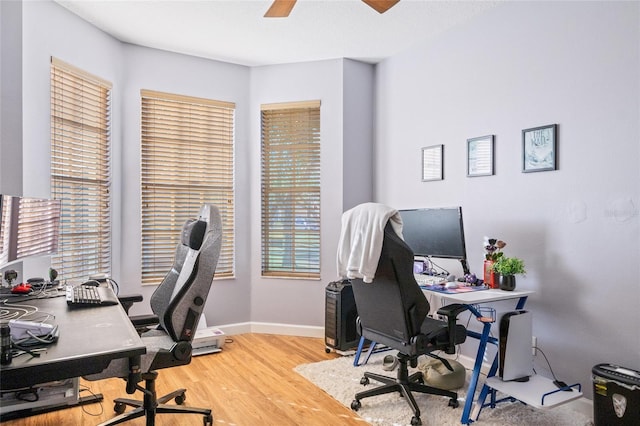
{"x":25,"y":337}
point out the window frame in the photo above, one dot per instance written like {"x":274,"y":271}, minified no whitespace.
{"x":80,"y":133}
{"x":290,"y":173}
{"x":178,"y":130}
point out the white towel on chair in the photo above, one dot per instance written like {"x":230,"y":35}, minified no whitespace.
{"x":361,"y":238}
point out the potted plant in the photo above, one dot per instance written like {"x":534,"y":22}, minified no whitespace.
{"x":507,"y":268}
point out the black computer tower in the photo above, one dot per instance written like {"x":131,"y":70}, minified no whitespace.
{"x":616,"y":396}
{"x":340,"y":317}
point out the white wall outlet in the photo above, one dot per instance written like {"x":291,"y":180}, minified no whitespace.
{"x":534,"y":344}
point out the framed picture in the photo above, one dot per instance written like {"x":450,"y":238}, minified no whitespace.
{"x":480,"y":156}
{"x":540,"y":148}
{"x":432,"y":163}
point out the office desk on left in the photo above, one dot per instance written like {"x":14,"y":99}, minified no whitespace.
{"x":90,"y":338}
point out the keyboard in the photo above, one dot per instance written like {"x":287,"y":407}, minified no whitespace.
{"x":425,"y":280}
{"x":87,"y":296}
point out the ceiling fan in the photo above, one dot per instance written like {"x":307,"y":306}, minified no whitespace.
{"x":282,"y":8}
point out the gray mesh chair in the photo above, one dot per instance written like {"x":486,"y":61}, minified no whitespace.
{"x":177,"y":304}
{"x":392,"y":310}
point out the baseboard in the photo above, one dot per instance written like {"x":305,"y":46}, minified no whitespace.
{"x":272,"y":328}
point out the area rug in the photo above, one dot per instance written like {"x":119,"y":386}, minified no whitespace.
{"x":340,"y":379}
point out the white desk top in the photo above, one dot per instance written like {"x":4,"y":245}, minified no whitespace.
{"x":482,"y":296}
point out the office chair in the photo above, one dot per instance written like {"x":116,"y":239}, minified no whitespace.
{"x":393,"y":311}
{"x":177,"y":304}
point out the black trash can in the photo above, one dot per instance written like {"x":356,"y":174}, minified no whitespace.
{"x":616,"y":396}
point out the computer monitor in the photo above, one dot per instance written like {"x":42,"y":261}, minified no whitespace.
{"x":435,"y":232}
{"x":28,"y":227}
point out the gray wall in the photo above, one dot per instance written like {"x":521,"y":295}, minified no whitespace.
{"x":152,"y":69}
{"x":301,"y":302}
{"x":50,"y":30}
{"x":11,"y":98}
{"x":522,"y":65}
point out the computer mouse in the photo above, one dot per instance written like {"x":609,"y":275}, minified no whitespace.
{"x":451,"y":284}
{"x":21,"y":289}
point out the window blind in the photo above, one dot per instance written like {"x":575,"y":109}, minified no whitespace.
{"x":187,"y":161}
{"x":291,"y":190}
{"x":38,"y":224}
{"x":81,"y":170}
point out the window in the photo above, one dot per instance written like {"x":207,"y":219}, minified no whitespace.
{"x":81,"y":170}
{"x":291,"y":190}
{"x":28,"y":227}
{"x":187,"y":161}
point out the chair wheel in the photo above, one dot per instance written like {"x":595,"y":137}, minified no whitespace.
{"x":364,"y":381}
{"x":119,"y":407}
{"x":415,"y":421}
{"x":208,"y":420}
{"x":355,"y":405}
{"x":327,"y":350}
{"x":180,"y":399}
{"x":453,"y":403}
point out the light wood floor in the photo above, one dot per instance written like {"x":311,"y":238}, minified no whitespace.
{"x":251,"y":382}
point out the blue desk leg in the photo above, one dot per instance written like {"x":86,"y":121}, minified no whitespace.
{"x":521,"y":302}
{"x":485,"y":389}
{"x":356,"y":359}
{"x":476,"y":374}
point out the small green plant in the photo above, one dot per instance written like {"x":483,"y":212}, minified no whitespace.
{"x":509,"y":266}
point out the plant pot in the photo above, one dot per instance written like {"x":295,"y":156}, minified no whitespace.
{"x":507,"y":282}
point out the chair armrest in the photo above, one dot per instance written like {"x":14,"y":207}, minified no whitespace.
{"x":127,"y":300}
{"x":451,"y":312}
{"x":142,"y":321}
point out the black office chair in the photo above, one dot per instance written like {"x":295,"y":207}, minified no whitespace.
{"x":393,"y":311}
{"x":177,"y":304}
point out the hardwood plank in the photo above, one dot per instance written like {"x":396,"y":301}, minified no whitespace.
{"x":250,"y":382}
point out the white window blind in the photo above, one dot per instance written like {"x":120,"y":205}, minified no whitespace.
{"x":38,"y":222}
{"x":81,"y":170}
{"x":29,"y":227}
{"x":187,"y":161}
{"x":291,"y":190}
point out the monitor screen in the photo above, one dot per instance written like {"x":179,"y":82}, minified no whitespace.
{"x":435,"y":232}
{"x":28,"y":227}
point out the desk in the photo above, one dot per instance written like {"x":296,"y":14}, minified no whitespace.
{"x":476,"y":298}
{"x":90,"y":338}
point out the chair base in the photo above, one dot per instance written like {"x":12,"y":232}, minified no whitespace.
{"x":405,"y":385}
{"x":151,"y":405}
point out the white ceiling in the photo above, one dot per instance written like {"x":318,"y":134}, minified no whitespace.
{"x":235,"y":30}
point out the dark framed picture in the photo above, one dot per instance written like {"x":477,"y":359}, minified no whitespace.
{"x":432,"y":163}
{"x":540,"y":148}
{"x":480,"y":157}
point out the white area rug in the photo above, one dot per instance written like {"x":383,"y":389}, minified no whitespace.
{"x":340,"y":379}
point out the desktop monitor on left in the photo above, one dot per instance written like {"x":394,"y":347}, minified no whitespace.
{"x":28,"y":227}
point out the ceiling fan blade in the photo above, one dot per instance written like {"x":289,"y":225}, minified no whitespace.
{"x":381,"y":6}
{"x":280,"y":8}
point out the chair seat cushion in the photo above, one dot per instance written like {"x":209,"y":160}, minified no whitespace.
{"x":432,"y":328}
{"x":437,"y":332}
